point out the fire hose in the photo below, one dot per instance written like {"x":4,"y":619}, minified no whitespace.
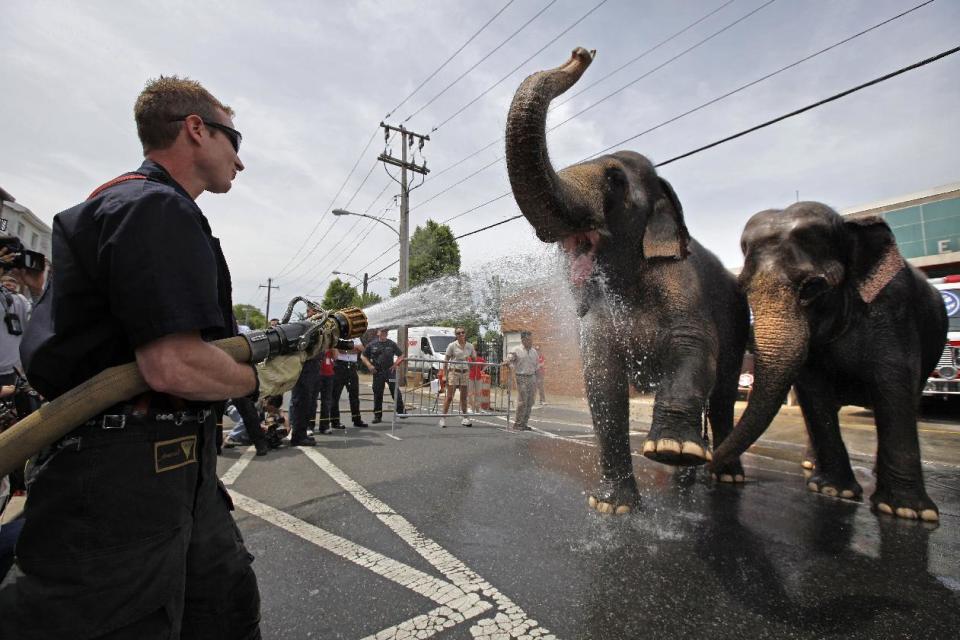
{"x":57,"y":418}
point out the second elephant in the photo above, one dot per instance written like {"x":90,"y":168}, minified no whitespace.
{"x":839,"y":314}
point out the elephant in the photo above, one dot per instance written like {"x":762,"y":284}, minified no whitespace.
{"x":655,"y":307}
{"x":839,"y":314}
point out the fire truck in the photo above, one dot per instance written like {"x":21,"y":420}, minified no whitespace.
{"x":944,"y":381}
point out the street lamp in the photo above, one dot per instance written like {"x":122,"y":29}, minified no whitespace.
{"x":403,"y":235}
{"x":344,"y":212}
{"x":364,"y":279}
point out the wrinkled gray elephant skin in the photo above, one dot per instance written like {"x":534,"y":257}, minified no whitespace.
{"x":839,"y":314}
{"x":656,"y":307}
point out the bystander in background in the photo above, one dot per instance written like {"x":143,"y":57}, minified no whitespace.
{"x":523,"y":361}
{"x":456,"y":371}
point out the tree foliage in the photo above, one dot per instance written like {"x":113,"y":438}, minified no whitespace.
{"x":433,"y":252}
{"x":339,"y":294}
{"x":368,"y":299}
{"x":249,"y":315}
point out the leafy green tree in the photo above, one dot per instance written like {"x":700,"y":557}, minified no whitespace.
{"x":249,"y":315}
{"x":339,"y":294}
{"x":433,"y":253}
{"x":367,"y":299}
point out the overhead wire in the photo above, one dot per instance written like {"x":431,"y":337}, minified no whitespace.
{"x":593,"y":84}
{"x":762,"y":125}
{"x":283,"y":270}
{"x":481,"y":60}
{"x":519,"y":66}
{"x":702,"y":105}
{"x":447,"y":61}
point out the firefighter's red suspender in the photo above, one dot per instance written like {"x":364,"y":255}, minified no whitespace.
{"x":115,"y":181}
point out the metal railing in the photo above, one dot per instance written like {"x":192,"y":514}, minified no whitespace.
{"x":424,"y":394}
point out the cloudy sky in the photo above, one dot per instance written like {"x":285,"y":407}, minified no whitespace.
{"x":310,"y":82}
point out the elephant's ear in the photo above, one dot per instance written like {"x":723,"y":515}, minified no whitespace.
{"x":874,"y":257}
{"x":666,"y":235}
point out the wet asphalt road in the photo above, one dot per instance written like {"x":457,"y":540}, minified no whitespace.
{"x":476,"y":533}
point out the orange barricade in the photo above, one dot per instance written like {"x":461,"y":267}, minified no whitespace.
{"x":485,"y":391}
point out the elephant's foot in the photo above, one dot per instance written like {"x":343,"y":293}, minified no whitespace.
{"x":732,"y":472}
{"x":835,"y":487}
{"x":910,"y":505}
{"x":615,"y":496}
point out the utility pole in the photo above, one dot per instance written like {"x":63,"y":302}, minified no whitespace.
{"x":406,"y":140}
{"x":364,"y":285}
{"x":268,"y":287}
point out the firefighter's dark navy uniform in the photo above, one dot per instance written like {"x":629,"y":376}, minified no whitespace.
{"x":128,"y":532}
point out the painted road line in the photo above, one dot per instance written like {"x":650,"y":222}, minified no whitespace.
{"x":510,"y":620}
{"x":449,"y":596}
{"x":237,"y":468}
{"x":390,"y":435}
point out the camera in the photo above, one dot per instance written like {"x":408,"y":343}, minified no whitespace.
{"x":17,"y":257}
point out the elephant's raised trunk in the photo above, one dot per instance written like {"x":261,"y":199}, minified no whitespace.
{"x":781,"y":336}
{"x":553,"y":208}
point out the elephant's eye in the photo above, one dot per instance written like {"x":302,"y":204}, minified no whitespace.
{"x":811,"y":288}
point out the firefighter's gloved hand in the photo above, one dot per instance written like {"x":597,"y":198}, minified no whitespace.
{"x":280,"y":373}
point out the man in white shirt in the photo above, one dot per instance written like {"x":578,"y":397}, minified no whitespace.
{"x":523,"y":360}
{"x":456,"y":371}
{"x":345,"y":375}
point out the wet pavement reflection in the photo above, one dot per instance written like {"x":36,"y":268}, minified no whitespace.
{"x":764,"y":560}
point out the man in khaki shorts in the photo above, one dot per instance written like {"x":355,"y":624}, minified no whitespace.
{"x":456,"y":371}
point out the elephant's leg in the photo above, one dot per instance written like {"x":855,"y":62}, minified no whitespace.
{"x":676,"y":433}
{"x":900,"y":487}
{"x":606,"y":383}
{"x":833,"y":475}
{"x":720,"y":412}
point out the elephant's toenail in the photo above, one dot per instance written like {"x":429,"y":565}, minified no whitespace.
{"x":813,"y":486}
{"x":605,"y":507}
{"x":830,"y":491}
{"x":623,"y":509}
{"x":669,"y":446}
{"x":592,"y":502}
{"x":649,"y":447}
{"x":692,"y":449}
{"x":846,"y":493}
{"x":738,"y":477}
{"x":883,"y":507}
{"x":929,"y":515}
{"x":726,"y":477}
{"x":807,"y":474}
{"x":904,"y":512}
{"x":806,"y":464}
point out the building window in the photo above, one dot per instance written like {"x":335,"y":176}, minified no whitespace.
{"x":34,"y":240}
{"x":20,"y":229}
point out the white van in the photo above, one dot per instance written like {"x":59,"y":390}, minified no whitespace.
{"x":428,"y":345}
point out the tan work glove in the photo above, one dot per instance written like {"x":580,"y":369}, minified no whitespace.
{"x":280,"y":373}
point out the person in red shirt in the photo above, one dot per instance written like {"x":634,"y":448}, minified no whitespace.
{"x":325,"y":388}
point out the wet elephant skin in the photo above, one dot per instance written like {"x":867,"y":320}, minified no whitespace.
{"x":840,"y":315}
{"x":656,"y":307}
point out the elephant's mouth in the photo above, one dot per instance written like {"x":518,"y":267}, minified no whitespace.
{"x":581,"y":249}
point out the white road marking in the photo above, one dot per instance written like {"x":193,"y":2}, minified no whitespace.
{"x":390,"y":435}
{"x":237,"y":468}
{"x":510,"y":620}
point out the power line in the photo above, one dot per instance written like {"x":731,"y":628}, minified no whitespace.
{"x":644,"y":54}
{"x":837,"y":96}
{"x":452,"y":56}
{"x":283,"y":270}
{"x":663,"y":64}
{"x":795,"y":112}
{"x":437,"y":174}
{"x":481,"y":60}
{"x":703,"y":105}
{"x":519,"y":66}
